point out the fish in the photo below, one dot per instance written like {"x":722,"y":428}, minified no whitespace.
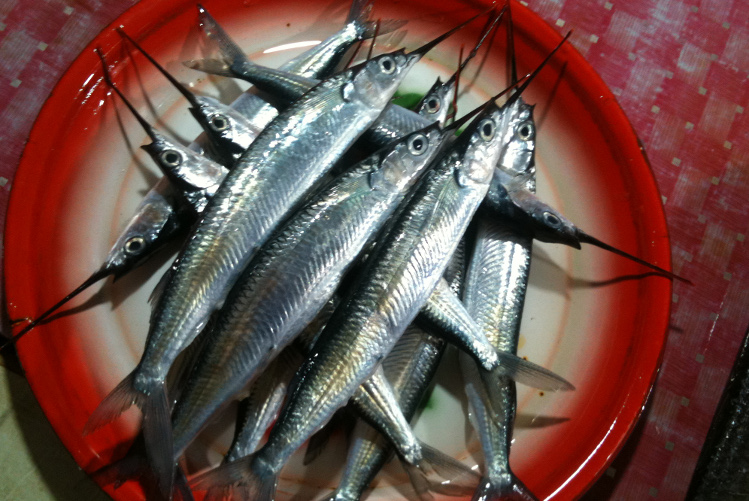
{"x":296,"y":274}
{"x":410,"y":368}
{"x":196,"y":177}
{"x":510,"y":201}
{"x":161,"y":215}
{"x":494,"y":295}
{"x":271,"y":178}
{"x":396,"y":281}
{"x":394,"y":122}
{"x":318,"y":62}
{"x":229,"y":132}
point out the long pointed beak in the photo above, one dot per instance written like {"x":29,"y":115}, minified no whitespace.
{"x":584,"y":237}
{"x":430,"y":45}
{"x":535,"y":72}
{"x":460,"y":122}
{"x":95,"y":277}
{"x":181,"y":88}
{"x":489,"y":28}
{"x":107,"y":78}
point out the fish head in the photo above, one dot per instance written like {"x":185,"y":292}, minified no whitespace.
{"x":142,"y":235}
{"x":188,"y":170}
{"x":519,"y":141}
{"x":479,"y":147}
{"x":436,"y":102}
{"x":547,"y":224}
{"x":375,"y":81}
{"x":409,"y":157}
{"x":226,"y":126}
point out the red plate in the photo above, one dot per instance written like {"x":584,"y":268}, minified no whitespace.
{"x":82,"y":175}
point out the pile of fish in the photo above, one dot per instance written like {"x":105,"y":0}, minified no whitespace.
{"x":327,"y":265}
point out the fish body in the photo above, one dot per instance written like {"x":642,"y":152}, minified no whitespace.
{"x":296,"y":274}
{"x":410,"y":368}
{"x":286,"y":160}
{"x":494,"y":295}
{"x":398,"y":279}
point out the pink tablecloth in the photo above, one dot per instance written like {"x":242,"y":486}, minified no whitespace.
{"x":679,"y":69}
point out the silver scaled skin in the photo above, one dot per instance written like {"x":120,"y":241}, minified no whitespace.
{"x":400,"y":276}
{"x":495,"y":288}
{"x":284,"y":163}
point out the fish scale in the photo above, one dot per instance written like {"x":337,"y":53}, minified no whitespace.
{"x":294,"y":276}
{"x":494,"y":295}
{"x":393,"y":286}
{"x":265,"y":186}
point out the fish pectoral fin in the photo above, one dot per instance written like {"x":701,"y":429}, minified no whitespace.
{"x":439,"y":473}
{"x":528,"y":373}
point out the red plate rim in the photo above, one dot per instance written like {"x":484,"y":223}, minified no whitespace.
{"x":20,"y":234}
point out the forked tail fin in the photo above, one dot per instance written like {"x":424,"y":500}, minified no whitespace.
{"x":156,"y":427}
{"x":237,"y":479}
{"x":510,"y":488}
{"x":440,"y":474}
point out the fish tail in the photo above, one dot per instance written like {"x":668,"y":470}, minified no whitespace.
{"x":238,"y":479}
{"x":359,"y":15}
{"x":118,"y":401}
{"x":157,"y":428}
{"x":130,"y":467}
{"x":441,"y":474}
{"x":509,"y":488}
{"x":157,"y":434}
{"x":528,"y":373}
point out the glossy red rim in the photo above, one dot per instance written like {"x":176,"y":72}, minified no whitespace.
{"x":64,"y":385}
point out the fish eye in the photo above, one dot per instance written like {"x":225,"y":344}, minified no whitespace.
{"x":433,"y":105}
{"x":487,"y":129}
{"x":551,"y":219}
{"x":173,"y":158}
{"x":135,"y":245}
{"x":387,"y":65}
{"x":526,"y":131}
{"x":418,"y":144}
{"x":219,"y":123}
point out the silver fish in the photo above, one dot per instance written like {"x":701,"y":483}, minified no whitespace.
{"x":283,"y":164}
{"x":495,"y":287}
{"x":196,"y":177}
{"x":296,"y":274}
{"x":409,"y":367}
{"x":394,"y":122}
{"x":395,"y":284}
{"x":318,"y":62}
{"x":494,"y":295}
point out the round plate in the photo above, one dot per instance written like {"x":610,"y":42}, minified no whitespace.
{"x":590,"y":316}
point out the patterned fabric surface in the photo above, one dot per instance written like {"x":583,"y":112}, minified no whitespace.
{"x":679,"y":69}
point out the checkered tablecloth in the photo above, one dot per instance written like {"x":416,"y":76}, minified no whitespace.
{"x":679,"y":69}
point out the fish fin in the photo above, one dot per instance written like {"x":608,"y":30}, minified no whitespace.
{"x":528,"y":373}
{"x":157,"y":433}
{"x":359,"y":15}
{"x":158,"y":290}
{"x":181,"y":487}
{"x":510,"y":488}
{"x":439,"y":473}
{"x":239,"y":479}
{"x":118,"y":401}
{"x":130,"y":467}
{"x":211,"y":66}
